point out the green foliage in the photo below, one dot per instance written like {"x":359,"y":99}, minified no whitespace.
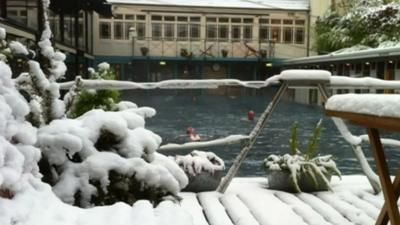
{"x":293,"y":141}
{"x":313,"y":141}
{"x":88,"y":99}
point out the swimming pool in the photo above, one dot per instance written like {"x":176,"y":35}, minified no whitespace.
{"x":219,"y":116}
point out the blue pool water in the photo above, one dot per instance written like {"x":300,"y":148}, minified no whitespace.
{"x":219,"y":116}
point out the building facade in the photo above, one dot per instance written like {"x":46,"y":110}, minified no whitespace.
{"x":149,"y":40}
{"x":70,"y":21}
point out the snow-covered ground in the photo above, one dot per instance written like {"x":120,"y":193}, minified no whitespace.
{"x":248,"y":201}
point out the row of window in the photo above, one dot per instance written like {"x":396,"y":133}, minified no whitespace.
{"x":214,"y":32}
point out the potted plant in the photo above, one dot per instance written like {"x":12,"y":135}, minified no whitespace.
{"x":185,"y":53}
{"x":144,"y":51}
{"x":204,"y":170}
{"x":224,"y":53}
{"x":263,"y":53}
{"x":301,"y":171}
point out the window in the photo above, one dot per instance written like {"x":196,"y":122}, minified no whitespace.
{"x":195,"y":31}
{"x":263,"y":21}
{"x":299,"y":36}
{"x":118,"y":16}
{"x":236,"y":20}
{"x":140,"y":31}
{"x":118,"y":30}
{"x":156,"y":31}
{"x":141,"y":17}
{"x":127,"y":27}
{"x":169,"y":31}
{"x":236,"y":32}
{"x":247,"y":32}
{"x":299,"y":22}
{"x":288,"y":22}
{"x":211,"y":31}
{"x":247,"y":20}
{"x":182,"y":31}
{"x":264,"y":33}
{"x":169,"y":18}
{"x":276,"y":34}
{"x":157,"y":18}
{"x":129,"y":17}
{"x":276,"y":21}
{"x":211,"y":19}
{"x":182,"y":18}
{"x":105,"y":30}
{"x":194,"y":19}
{"x":223,"y":20}
{"x":288,"y":34}
{"x":223,"y":32}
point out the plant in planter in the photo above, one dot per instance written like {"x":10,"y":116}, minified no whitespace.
{"x":204,"y":169}
{"x":185,"y":53}
{"x":144,"y":51}
{"x":224,"y":53}
{"x":301,"y":171}
{"x":263,"y":53}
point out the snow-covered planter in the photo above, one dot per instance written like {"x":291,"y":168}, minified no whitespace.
{"x":297,"y":172}
{"x":204,"y":169}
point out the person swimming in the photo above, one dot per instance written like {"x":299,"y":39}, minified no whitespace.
{"x":192,"y":134}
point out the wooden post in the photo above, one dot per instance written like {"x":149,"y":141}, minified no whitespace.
{"x":383,"y":171}
{"x":383,"y":217}
{"x":253,"y":136}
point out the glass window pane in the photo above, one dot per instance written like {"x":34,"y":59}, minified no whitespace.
{"x":223,"y":20}
{"x":211,"y":31}
{"x":247,"y":20}
{"x":169,"y":31}
{"x":140,"y":31}
{"x":156,"y":31}
{"x":236,"y":33}
{"x":223,"y":32}
{"x":169,"y":18}
{"x":195,"y":19}
{"x":236,"y":20}
{"x":129,"y":17}
{"x":299,"y":35}
{"x":276,"y":34}
{"x":182,"y":31}
{"x":211,"y":19}
{"x":118,"y":30}
{"x":141,"y":17}
{"x":263,"y":21}
{"x":287,"y":35}
{"x":287,"y":22}
{"x":195,"y":31}
{"x":264,"y":33}
{"x":182,"y":18}
{"x":128,"y":25}
{"x":118,"y":16}
{"x":105,"y":30}
{"x":247,"y":32}
{"x":276,"y":21}
{"x":300,"y":22}
{"x":156,"y":17}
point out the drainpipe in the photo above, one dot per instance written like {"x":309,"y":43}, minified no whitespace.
{"x":308,"y":31}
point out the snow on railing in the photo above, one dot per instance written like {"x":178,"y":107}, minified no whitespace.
{"x":335,"y":82}
{"x":230,"y":140}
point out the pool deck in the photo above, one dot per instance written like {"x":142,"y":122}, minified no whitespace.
{"x":248,"y":201}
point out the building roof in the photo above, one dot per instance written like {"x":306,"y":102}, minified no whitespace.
{"x":254,"y":4}
{"x":356,"y":55}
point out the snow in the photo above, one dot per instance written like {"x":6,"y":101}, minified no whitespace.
{"x":2,"y":33}
{"x":18,"y":48}
{"x":229,"y":140}
{"x":197,"y":161}
{"x":371,"y":104}
{"x":305,"y":75}
{"x":104,"y":66}
{"x":250,"y":4}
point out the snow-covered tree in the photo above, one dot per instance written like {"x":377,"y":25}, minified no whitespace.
{"x":367,"y":23}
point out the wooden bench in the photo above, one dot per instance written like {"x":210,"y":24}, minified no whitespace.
{"x":391,"y":191}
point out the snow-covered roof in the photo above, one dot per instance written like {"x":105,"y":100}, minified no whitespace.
{"x":347,"y":54}
{"x":255,"y":4}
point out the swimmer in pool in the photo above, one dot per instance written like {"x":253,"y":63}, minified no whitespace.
{"x":192,"y":134}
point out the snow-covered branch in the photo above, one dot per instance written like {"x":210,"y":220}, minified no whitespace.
{"x":230,"y":140}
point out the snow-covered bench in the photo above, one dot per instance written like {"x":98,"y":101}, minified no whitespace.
{"x":374,"y":111}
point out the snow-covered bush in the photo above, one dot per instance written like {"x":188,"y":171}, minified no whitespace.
{"x":80,"y":100}
{"x":104,"y":157}
{"x":18,"y":157}
{"x":305,"y":165}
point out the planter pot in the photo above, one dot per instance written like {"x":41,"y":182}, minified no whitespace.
{"x":280,"y":180}
{"x":205,"y":181}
